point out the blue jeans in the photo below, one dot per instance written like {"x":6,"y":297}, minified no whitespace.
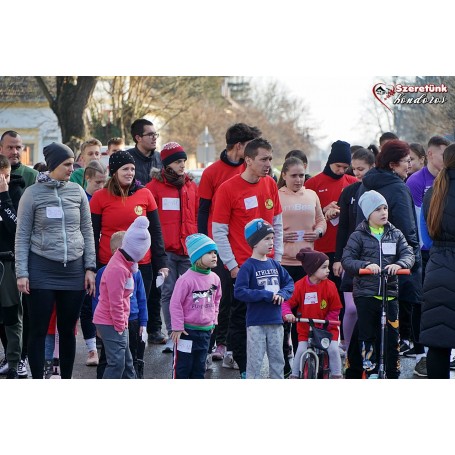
{"x":191,"y":365}
{"x":118,"y":355}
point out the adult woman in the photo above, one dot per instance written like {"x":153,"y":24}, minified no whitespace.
{"x":438,"y":322}
{"x":387,"y":178}
{"x":55,"y":256}
{"x":303,"y":223}
{"x":362,"y":161}
{"x":116,"y":206}
{"x":418,"y":157}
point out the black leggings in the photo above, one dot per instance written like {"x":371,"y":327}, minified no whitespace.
{"x":40,"y":305}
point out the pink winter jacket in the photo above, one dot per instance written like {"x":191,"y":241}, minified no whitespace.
{"x":116,"y":287}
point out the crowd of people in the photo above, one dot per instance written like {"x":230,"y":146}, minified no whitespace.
{"x":228,"y":264}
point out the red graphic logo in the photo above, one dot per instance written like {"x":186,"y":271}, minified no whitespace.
{"x":383,"y":92}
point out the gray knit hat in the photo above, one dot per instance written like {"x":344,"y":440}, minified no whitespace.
{"x":370,"y":201}
{"x":55,"y":154}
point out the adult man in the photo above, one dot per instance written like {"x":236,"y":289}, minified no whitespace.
{"x":115,"y":144}
{"x":239,"y":200}
{"x":386,"y":137}
{"x":145,"y":155}
{"x":231,"y":163}
{"x":419,"y":183}
{"x":11,"y":146}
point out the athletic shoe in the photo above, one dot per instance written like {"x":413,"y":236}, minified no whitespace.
{"x":410,"y":353}
{"x":243,"y":375}
{"x":92,"y":359}
{"x":219,"y":353}
{"x":229,"y":362}
{"x":47,"y":369}
{"x":56,"y":365}
{"x":452,"y":364}
{"x":156,"y":338}
{"x":4,"y":366}
{"x":404,"y":347}
{"x":169,"y":348}
{"x":209,"y":362}
{"x":421,"y":368}
{"x":22,"y":369}
{"x":12,"y":374}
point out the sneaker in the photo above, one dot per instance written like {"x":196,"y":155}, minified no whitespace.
{"x":243,"y":375}
{"x":22,"y":369}
{"x":452,"y":364}
{"x":156,"y":338}
{"x":4,"y":366}
{"x":12,"y":374}
{"x":421,"y":368}
{"x":229,"y":362}
{"x":92,"y":359}
{"x":404,"y":347}
{"x":56,"y":365}
{"x":219,"y":353}
{"x":48,"y":369}
{"x":169,"y":348}
{"x":209,"y":362}
{"x":410,"y":353}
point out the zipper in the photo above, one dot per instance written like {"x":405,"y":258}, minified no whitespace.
{"x":65,"y":245}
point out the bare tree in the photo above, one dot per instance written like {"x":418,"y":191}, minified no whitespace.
{"x":69,"y":102}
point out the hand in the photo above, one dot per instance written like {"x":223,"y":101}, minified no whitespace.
{"x":120,"y":333}
{"x":175,"y":335}
{"x":3,"y":183}
{"x":311,"y":236}
{"x":23,"y":285}
{"x":90,"y":282}
{"x":234,"y":272}
{"x":290,"y":236}
{"x":374,"y":268}
{"x":289,"y":317}
{"x":332,"y":205}
{"x":330,"y":214}
{"x":141,"y":330}
{"x":164,"y":271}
{"x":277,"y":299}
{"x":337,"y":268}
{"x":392,"y":268}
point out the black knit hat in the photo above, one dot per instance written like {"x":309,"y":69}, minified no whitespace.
{"x":119,"y":159}
{"x":340,"y":153}
{"x":55,"y":154}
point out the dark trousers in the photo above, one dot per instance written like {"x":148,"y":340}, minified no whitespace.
{"x":337,"y":281}
{"x":237,"y":333}
{"x":86,"y":317}
{"x":153,"y":295}
{"x":191,"y":365}
{"x":369,"y":325}
{"x":221,"y":334}
{"x":405,"y":309}
{"x":438,"y":363}
{"x":40,"y":305}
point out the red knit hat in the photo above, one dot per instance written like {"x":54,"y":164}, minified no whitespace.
{"x":172,"y":151}
{"x":311,"y":260}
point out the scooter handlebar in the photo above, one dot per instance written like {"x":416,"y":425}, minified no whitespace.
{"x":384,"y":271}
{"x":318,"y":321}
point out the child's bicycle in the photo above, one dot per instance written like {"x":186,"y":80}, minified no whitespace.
{"x":384,"y":274}
{"x":314,"y":363}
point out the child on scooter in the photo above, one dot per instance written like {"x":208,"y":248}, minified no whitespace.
{"x":376,"y":245}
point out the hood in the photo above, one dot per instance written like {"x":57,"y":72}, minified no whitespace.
{"x":378,"y":178}
{"x":157,"y":174}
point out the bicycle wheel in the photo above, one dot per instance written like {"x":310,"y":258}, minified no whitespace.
{"x":324,"y":369}
{"x":309,"y":370}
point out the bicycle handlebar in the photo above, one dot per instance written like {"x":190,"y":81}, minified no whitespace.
{"x":318,"y":321}
{"x":384,"y":271}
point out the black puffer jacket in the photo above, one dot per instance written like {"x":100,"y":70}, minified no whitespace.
{"x":363,"y":248}
{"x":402,"y":215}
{"x":437,"y":326}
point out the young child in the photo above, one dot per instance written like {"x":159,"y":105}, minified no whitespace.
{"x":315,"y":297}
{"x":194,"y":308}
{"x":376,"y":244}
{"x":95,"y":175}
{"x":113,"y":310}
{"x":137,"y":322}
{"x":263,"y":285}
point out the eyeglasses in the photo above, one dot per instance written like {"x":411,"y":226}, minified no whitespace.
{"x":152,"y":135}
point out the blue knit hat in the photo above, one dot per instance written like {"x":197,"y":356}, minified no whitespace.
{"x":256,"y":230}
{"x":198,"y":245}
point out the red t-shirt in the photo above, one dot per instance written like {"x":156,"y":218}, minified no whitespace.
{"x":238,"y":202}
{"x":212,"y":177}
{"x":328,"y":189}
{"x":321,"y":299}
{"x":118,"y":214}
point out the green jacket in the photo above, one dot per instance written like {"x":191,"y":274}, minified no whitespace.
{"x":28,"y":174}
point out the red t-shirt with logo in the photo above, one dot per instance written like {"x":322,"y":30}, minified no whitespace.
{"x":117,"y":214}
{"x":328,"y":190}
{"x":238,"y":202}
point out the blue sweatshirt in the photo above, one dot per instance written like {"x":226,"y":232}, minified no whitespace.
{"x":138,"y":300}
{"x":256,"y":284}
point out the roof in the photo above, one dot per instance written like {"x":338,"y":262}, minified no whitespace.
{"x":23,"y":89}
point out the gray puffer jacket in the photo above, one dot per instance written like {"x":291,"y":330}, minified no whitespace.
{"x":54,"y":221}
{"x":363,"y":248}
